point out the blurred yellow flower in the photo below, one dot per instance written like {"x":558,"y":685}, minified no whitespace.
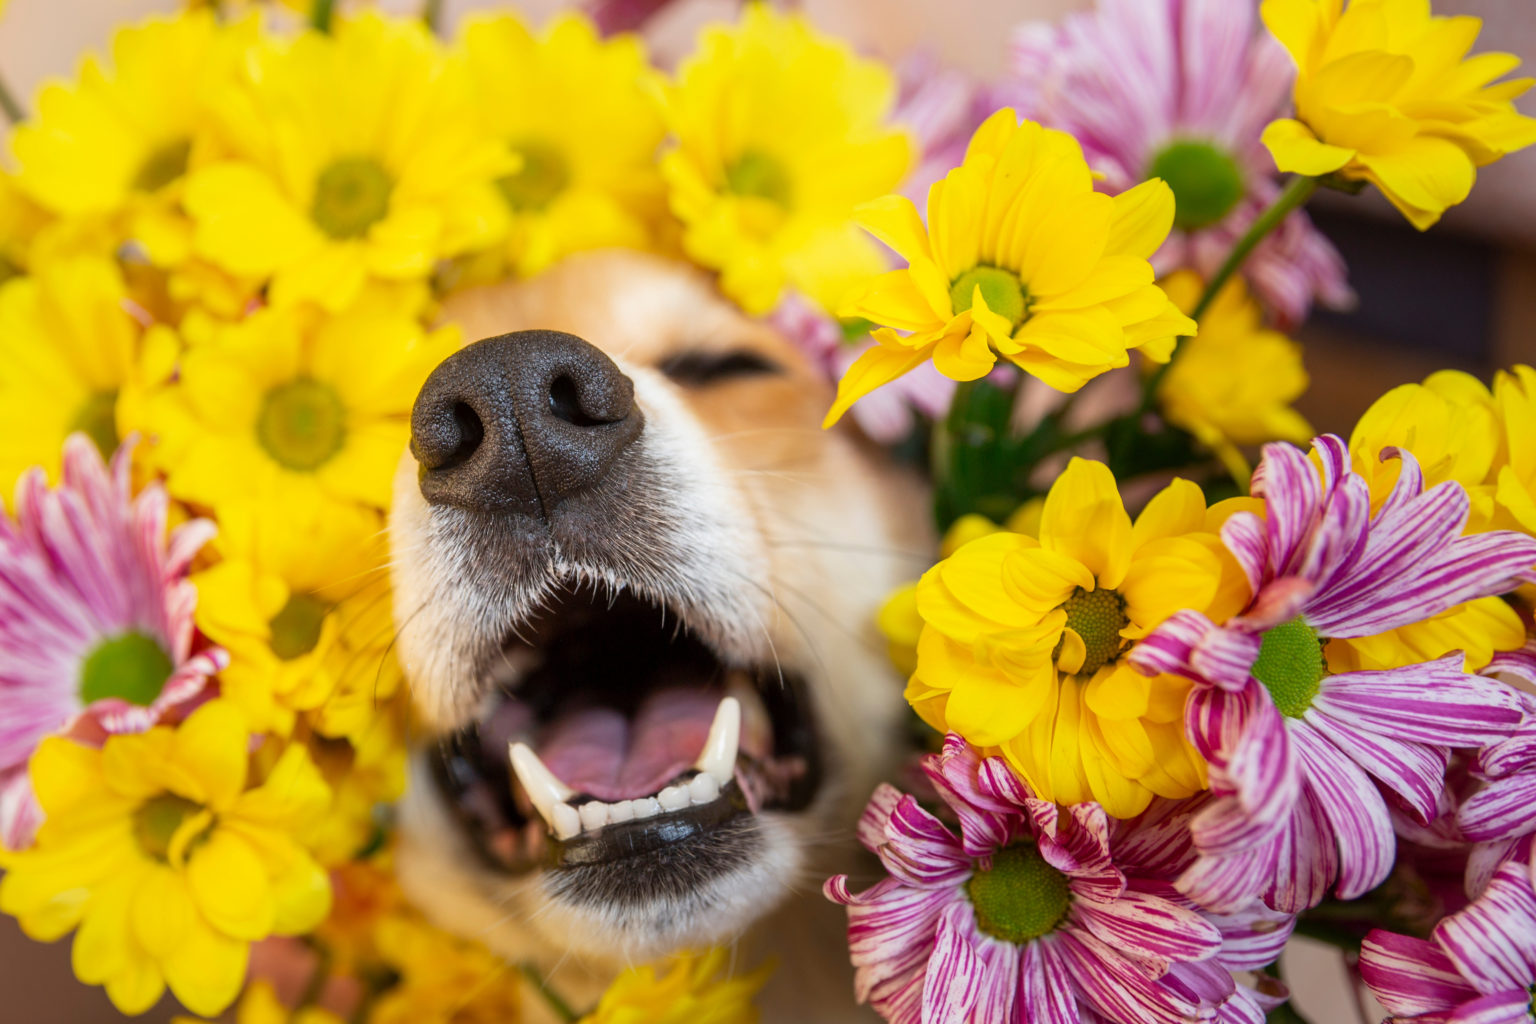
{"x":781,"y":132}
{"x":354,"y":155}
{"x":260,"y":1005}
{"x":283,"y":406}
{"x":1234,"y":382}
{"x":696,"y":988}
{"x":443,"y":978}
{"x":365,"y":768}
{"x":1022,"y":259}
{"x":581,"y":114}
{"x":116,"y":144}
{"x":1386,"y":93}
{"x":273,"y":597}
{"x":167,"y":864}
{"x":71,"y":358}
{"x":1022,"y":642}
{"x":1514,"y":400}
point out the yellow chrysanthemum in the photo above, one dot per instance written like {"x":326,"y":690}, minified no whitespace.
{"x":1021,"y":258}
{"x":283,"y":406}
{"x":365,"y":768}
{"x":115,"y":145}
{"x":1234,"y":382}
{"x":581,"y":114}
{"x":277,"y":599}
{"x":1514,"y":475}
{"x":355,"y":155}
{"x":443,"y":978}
{"x":1386,"y":93}
{"x":1023,"y":640}
{"x":167,"y":864}
{"x":695,"y":989}
{"x":71,"y":358}
{"x":781,"y":132}
{"x":260,"y":1005}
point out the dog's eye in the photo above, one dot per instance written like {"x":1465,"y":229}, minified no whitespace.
{"x":697,"y":368}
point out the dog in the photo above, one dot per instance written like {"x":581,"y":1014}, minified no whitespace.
{"x":635,"y":590}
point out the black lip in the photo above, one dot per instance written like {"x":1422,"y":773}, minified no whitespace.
{"x":628,"y":839}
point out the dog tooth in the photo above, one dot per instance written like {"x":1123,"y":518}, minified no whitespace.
{"x":624,"y":810}
{"x":646,"y":807}
{"x":719,"y":755}
{"x":703,"y":788}
{"x":545,"y":792}
{"x":567,"y":821}
{"x":673,"y":798}
{"x":594,"y":814}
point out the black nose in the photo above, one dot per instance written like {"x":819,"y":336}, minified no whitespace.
{"x":521,"y":422}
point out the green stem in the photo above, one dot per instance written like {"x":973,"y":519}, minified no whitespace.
{"x":8,"y":104}
{"x":1293,"y":197}
{"x":561,"y":1008}
{"x":321,"y":14}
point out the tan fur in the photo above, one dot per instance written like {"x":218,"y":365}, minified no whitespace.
{"x":805,"y":530}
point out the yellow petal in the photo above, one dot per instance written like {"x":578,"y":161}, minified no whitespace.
{"x":894,"y":220}
{"x":229,"y":883}
{"x":1167,"y":575}
{"x":1085,"y":520}
{"x":162,"y":912}
{"x":1070,"y":657}
{"x":1177,"y":509}
{"x":243,"y":223}
{"x":211,"y":746}
{"x":206,"y":973}
{"x":1422,"y":178}
{"x":880,"y":365}
{"x":1297,"y":150}
{"x":1143,"y":218}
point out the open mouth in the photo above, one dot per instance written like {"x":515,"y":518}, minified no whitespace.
{"x":611,"y":731}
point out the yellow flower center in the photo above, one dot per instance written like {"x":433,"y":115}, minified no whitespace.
{"x":296,"y":628}
{"x":131,"y":667}
{"x":97,"y":419}
{"x":757,"y":174}
{"x":156,"y":820}
{"x":163,"y":166}
{"x":1004,"y":293}
{"x":1020,"y":897}
{"x":1291,"y":665}
{"x":543,"y":176}
{"x":351,"y":196}
{"x":1097,"y":616}
{"x":302,"y":424}
{"x":1206,"y":182}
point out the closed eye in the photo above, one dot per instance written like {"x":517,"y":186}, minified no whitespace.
{"x":697,"y":367}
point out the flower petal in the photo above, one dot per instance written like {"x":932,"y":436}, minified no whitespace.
{"x":1411,"y":976}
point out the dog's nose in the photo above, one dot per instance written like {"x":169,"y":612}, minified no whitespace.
{"x":521,"y":422}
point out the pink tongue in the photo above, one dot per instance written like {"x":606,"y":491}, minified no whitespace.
{"x":599,"y":752}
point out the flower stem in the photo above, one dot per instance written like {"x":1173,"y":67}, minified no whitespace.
{"x":561,"y":1008}
{"x":8,"y":104}
{"x":320,"y":15}
{"x":1292,"y":197}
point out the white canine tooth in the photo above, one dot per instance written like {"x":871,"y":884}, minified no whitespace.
{"x":594,"y":814}
{"x":647,"y":807}
{"x":624,"y":810}
{"x":673,"y":798}
{"x":545,"y":792}
{"x":719,"y":755}
{"x":567,"y":822}
{"x":703,"y":788}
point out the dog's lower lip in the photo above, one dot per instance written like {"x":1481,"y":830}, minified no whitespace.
{"x":631,"y":838}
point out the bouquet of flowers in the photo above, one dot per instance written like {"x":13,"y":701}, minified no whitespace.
{"x":1177,"y":702}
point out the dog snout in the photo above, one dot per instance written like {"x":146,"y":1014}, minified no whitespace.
{"x":521,"y":422}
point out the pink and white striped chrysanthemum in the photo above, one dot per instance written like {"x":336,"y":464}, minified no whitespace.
{"x":1502,"y":809}
{"x":1477,"y":967}
{"x":1182,"y":90}
{"x":95,"y":615}
{"x":1035,"y":913}
{"x":1293,"y":750}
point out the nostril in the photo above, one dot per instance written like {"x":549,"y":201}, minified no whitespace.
{"x":565,"y":403}
{"x":470,"y":433}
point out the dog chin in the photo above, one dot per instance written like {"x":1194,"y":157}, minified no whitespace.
{"x":644,"y":650}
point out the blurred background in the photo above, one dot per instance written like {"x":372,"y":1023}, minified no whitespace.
{"x":1462,"y":296}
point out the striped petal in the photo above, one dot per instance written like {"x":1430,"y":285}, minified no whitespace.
{"x":1501,"y":809}
{"x":1435,"y":702}
{"x":1356,"y":814}
{"x":1252,"y":938}
{"x":1045,"y":986}
{"x":1414,"y":771}
{"x":1145,"y":926}
{"x":919,"y":850}
{"x":1409,"y":976}
{"x":1493,"y":941}
{"x":953,"y":981}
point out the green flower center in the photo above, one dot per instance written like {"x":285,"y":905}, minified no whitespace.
{"x":302,"y":423}
{"x":97,"y":420}
{"x":1291,"y":665}
{"x":1004,"y":292}
{"x":1206,"y":182}
{"x":296,"y":628}
{"x":131,"y":667}
{"x":1021,"y":897}
{"x":163,"y":166}
{"x":156,"y":820}
{"x":1097,"y":616}
{"x":351,"y":196}
{"x":543,"y":176}
{"x":758,"y":174}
